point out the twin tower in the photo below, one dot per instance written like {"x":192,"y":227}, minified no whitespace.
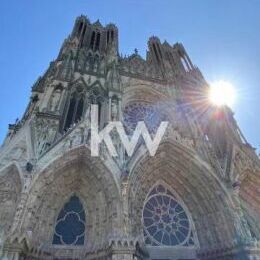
{"x":196,"y":198}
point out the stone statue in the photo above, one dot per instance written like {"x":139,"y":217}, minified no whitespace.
{"x":55,"y":100}
{"x":114,"y":109}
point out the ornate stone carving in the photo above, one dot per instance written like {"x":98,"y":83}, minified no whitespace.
{"x":44,"y":130}
{"x":198,"y":207}
{"x":55,"y":99}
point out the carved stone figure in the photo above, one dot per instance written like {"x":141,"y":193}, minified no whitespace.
{"x":57,"y":201}
{"x":55,"y":100}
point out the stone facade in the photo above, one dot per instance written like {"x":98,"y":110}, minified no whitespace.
{"x":204,"y":166}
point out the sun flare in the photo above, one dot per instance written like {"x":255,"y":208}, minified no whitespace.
{"x":222,"y":93}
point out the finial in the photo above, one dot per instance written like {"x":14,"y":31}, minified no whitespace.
{"x":136,"y":51}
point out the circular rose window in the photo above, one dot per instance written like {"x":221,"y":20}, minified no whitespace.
{"x":165,"y":221}
{"x":137,"y":112}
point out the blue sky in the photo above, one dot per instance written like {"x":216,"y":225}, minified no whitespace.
{"x":221,"y":37}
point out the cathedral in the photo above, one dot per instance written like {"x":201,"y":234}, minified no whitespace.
{"x":198,"y":197}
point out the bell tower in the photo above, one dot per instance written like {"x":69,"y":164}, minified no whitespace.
{"x":196,"y":198}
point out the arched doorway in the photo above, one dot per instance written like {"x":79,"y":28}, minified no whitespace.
{"x":195,"y":188}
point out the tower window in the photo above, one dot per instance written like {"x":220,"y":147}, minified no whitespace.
{"x":79,"y":111}
{"x":108,"y":36}
{"x":96,"y":97}
{"x":82,"y":36}
{"x":75,"y":110}
{"x":70,"y":224}
{"x":156,"y":53}
{"x":159,"y":49}
{"x":112,"y":35}
{"x":80,"y":28}
{"x":70,"y":113}
{"x":92,"y":41}
{"x":97,"y":41}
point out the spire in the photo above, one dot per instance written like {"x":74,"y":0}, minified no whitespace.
{"x":97,"y":23}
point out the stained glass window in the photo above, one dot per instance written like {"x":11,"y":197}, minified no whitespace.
{"x":136,"y":112}
{"x":165,"y":221}
{"x":75,"y":110}
{"x":70,"y":113}
{"x":70,"y":224}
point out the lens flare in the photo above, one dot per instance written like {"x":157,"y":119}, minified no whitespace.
{"x":222,"y":93}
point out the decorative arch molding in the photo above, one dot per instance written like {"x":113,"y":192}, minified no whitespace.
{"x":97,"y":84}
{"x":92,"y":183}
{"x":82,"y":83}
{"x":80,"y":153}
{"x":97,"y":89}
{"x":13,"y":166}
{"x":79,"y":98}
{"x":78,"y":82}
{"x":142,"y":93}
{"x":11,"y":186}
{"x":207,"y":200}
{"x":179,"y":147}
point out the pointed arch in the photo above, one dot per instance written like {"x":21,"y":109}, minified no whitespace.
{"x":98,"y":85}
{"x":79,"y":110}
{"x":70,"y":113}
{"x":92,"y":181}
{"x":79,"y":82}
{"x":76,"y":104}
{"x":96,"y":96}
{"x":206,"y":198}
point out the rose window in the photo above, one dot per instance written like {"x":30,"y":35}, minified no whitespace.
{"x":165,"y":221}
{"x":137,"y":112}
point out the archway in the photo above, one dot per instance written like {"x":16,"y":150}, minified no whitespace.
{"x":192,"y":179}
{"x":73,"y":174}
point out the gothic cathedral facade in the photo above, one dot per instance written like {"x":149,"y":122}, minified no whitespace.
{"x":197,"y":198}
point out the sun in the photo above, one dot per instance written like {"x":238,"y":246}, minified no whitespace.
{"x":222,"y":93}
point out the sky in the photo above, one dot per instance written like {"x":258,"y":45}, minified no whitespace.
{"x":221,"y":37}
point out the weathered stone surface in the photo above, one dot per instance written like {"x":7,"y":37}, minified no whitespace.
{"x":203,"y":164}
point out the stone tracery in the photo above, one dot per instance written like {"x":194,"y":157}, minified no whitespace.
{"x":70,"y":225}
{"x":164,"y":219}
{"x":195,"y":209}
